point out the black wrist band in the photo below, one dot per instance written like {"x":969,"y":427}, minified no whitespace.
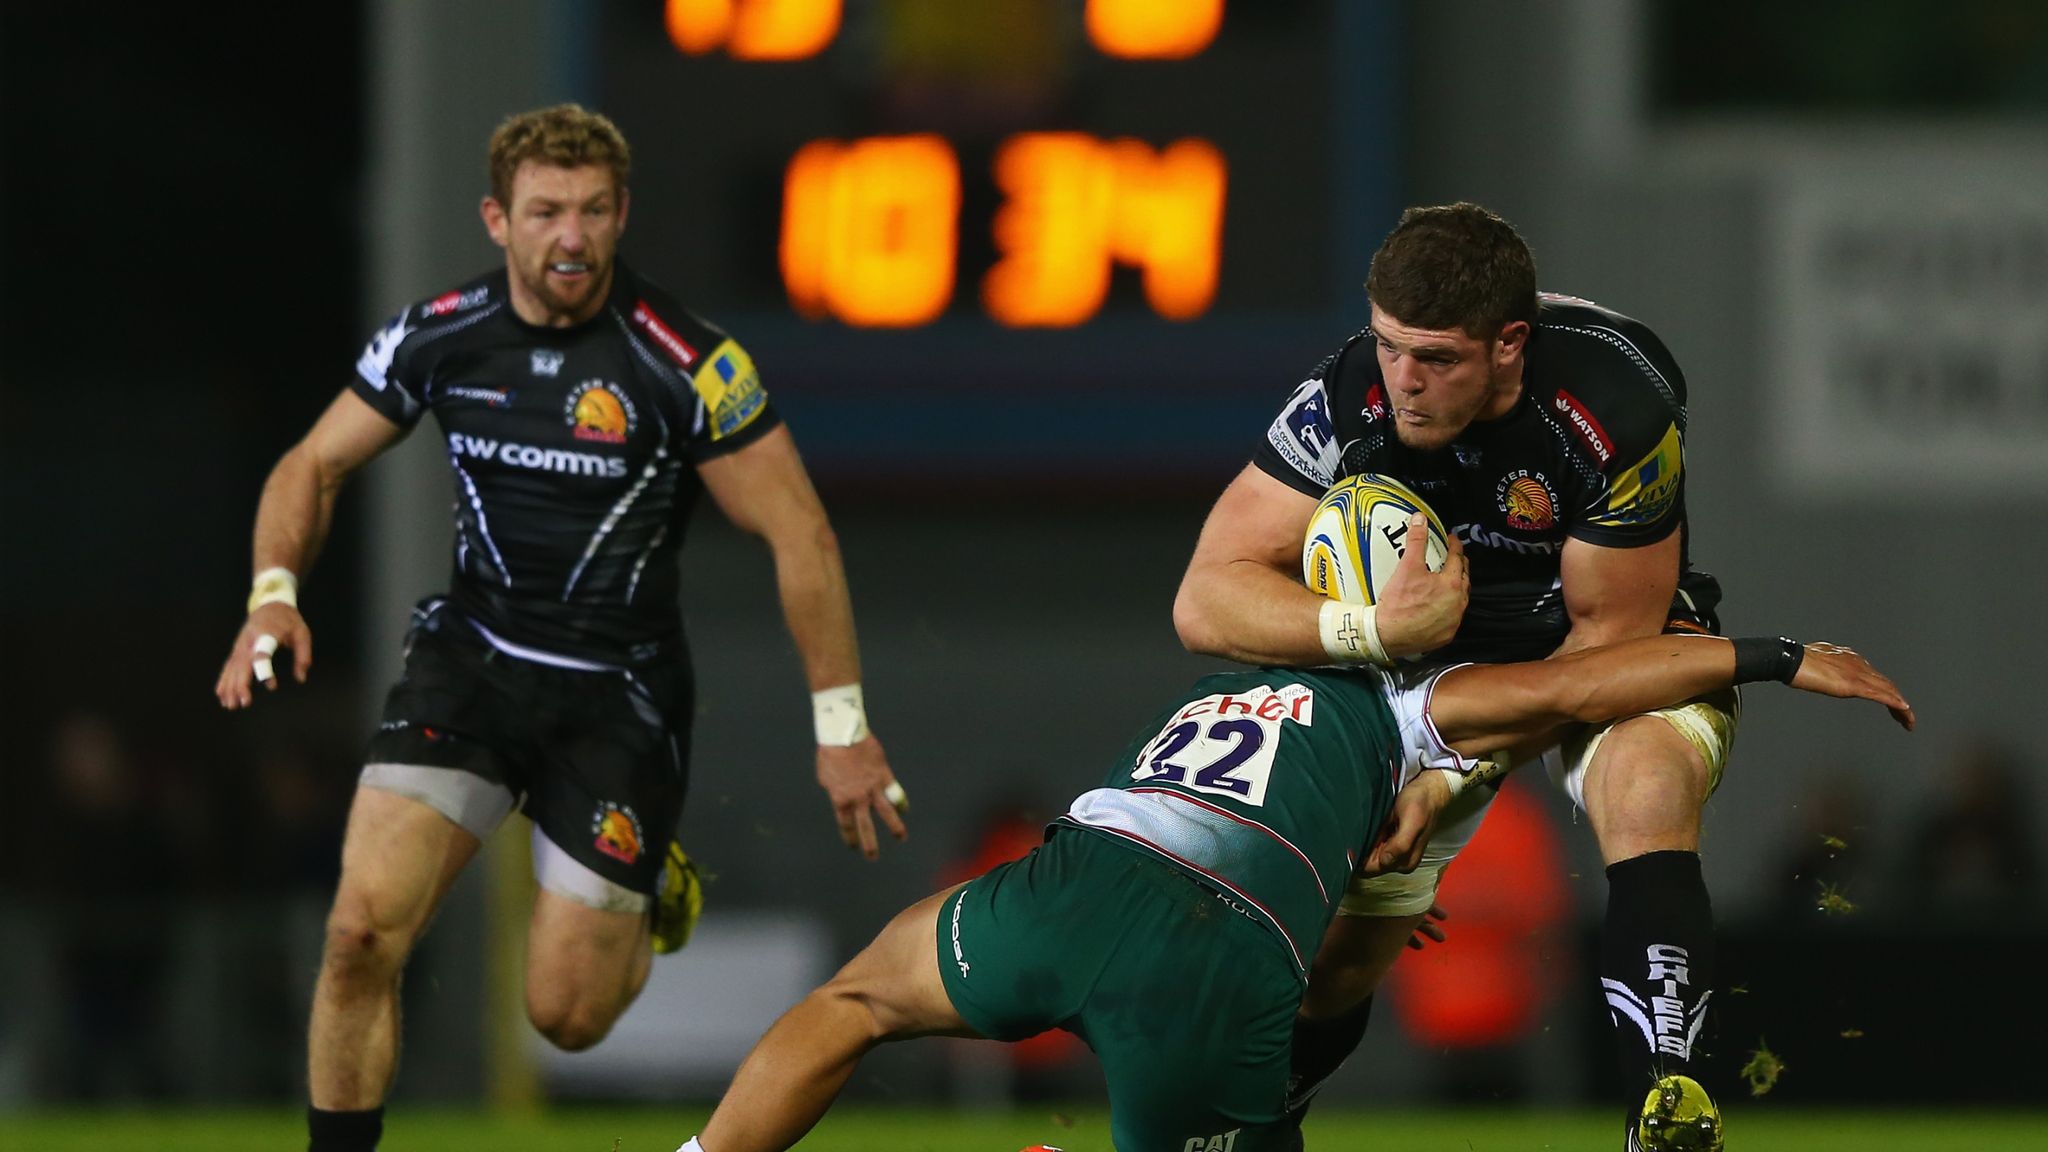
{"x":1767,"y":658}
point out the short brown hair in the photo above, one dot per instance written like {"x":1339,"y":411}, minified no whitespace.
{"x":565,"y":135}
{"x":1454,"y":266}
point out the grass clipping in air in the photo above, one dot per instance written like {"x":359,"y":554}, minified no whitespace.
{"x":1763,"y":1069}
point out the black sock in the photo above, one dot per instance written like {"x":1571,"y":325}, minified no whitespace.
{"x":344,"y":1131}
{"x":1320,"y":1048}
{"x":1657,"y":965}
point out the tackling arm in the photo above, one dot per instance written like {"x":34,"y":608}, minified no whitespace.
{"x":1481,"y":709}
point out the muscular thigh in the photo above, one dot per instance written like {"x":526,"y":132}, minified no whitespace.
{"x":573,"y":947}
{"x":398,"y":860}
{"x":1643,"y":780}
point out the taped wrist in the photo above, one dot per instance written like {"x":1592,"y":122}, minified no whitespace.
{"x":273,"y":585}
{"x":838,"y":716}
{"x":1351,"y":634}
{"x":1767,"y":658}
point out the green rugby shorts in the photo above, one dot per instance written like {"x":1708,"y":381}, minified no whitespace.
{"x":1188,"y":1003}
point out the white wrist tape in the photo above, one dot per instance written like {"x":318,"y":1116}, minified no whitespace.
{"x":1457,"y":780}
{"x":1351,"y":634}
{"x":838,"y":716}
{"x":273,"y":585}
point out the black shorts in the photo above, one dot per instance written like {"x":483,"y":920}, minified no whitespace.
{"x":597,"y":759}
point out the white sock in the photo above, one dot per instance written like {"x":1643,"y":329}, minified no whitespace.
{"x":692,"y":1146}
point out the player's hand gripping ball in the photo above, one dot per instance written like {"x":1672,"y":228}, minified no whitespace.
{"x":1359,"y":532}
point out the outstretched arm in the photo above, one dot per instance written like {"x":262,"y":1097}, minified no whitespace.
{"x":763,"y":489}
{"x":1482,"y":709}
{"x":292,"y":520}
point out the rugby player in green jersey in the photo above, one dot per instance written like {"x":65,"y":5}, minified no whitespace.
{"x":1170,"y":915}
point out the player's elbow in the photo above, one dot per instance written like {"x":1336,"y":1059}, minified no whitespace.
{"x":1195,"y":622}
{"x":802,"y":541}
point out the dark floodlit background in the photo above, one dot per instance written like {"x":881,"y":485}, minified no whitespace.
{"x":1836,"y":217}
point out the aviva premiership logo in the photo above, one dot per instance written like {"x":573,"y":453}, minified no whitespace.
{"x":599,"y":410}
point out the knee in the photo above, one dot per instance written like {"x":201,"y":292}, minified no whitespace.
{"x":572,"y":1024}
{"x":1643,"y":765}
{"x":362,"y":946}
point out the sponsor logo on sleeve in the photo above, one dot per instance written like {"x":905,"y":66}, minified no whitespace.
{"x":730,"y":388}
{"x":1591,"y":434}
{"x":1526,"y":498}
{"x":677,"y":347}
{"x":600,"y":410}
{"x":1304,"y":436}
{"x":1646,"y":492}
{"x":449,"y":302}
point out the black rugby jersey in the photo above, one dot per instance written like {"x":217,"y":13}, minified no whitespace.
{"x":1594,"y":449}
{"x":573,"y":452}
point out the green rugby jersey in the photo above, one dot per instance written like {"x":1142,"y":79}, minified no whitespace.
{"x":1269,"y":786}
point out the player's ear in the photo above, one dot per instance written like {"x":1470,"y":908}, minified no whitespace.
{"x":1508,"y":345}
{"x":625,"y":202}
{"x":496,"y":222}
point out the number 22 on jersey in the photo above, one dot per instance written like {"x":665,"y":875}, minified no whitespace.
{"x":1224,"y":744}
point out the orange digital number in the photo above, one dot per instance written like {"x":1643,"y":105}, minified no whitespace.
{"x":1153,"y":29}
{"x":753,"y":29}
{"x":1075,"y":203}
{"x":868,"y":229}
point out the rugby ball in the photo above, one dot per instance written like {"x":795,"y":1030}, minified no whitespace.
{"x":1359,"y":532}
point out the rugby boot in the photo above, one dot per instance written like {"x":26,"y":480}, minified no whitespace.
{"x":678,"y":901}
{"x":1677,"y":1116}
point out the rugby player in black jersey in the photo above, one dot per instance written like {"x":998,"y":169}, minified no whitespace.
{"x":583,"y":411}
{"x":1547,"y":433}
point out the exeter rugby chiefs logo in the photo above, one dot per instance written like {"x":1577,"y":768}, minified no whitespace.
{"x":617,"y":830}
{"x":599,"y":410}
{"x":1526,"y":498}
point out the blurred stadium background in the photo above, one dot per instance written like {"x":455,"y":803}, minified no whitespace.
{"x":1835,"y":214}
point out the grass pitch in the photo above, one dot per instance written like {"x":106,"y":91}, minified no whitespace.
{"x":855,"y":1129}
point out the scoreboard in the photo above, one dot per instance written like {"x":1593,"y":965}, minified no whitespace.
{"x":993,"y":233}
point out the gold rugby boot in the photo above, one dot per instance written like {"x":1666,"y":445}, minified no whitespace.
{"x":1678,"y":1116}
{"x":678,"y":901}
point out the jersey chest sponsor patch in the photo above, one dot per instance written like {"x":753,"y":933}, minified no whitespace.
{"x":562,"y":461}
